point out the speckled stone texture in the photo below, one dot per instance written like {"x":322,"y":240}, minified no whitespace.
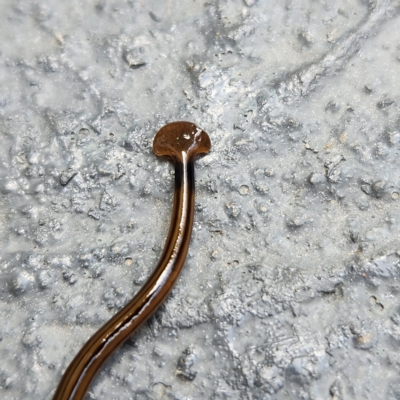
{"x":291,"y":289}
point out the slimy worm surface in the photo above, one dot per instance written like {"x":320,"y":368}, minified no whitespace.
{"x":181,"y":141}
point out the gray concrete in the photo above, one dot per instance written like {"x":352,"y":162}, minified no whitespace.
{"x":291,"y":288}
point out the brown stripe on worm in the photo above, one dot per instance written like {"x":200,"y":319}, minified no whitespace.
{"x":181,"y":141}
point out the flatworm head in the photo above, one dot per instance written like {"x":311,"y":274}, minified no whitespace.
{"x":179,"y":138}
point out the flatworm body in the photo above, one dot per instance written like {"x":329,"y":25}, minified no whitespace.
{"x":181,"y":141}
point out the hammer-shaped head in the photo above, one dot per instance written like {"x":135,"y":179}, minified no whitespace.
{"x":181,"y":137}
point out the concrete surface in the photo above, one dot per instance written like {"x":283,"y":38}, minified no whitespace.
{"x":291,"y":288}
